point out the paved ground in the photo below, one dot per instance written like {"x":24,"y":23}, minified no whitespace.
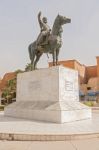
{"x":13,"y":125}
{"x":89,"y":144}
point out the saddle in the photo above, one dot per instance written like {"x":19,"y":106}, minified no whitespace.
{"x":40,"y":46}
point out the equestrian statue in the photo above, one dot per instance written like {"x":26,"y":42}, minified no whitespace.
{"x":48,"y":41}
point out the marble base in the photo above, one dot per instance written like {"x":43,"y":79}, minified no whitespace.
{"x":49,"y":95}
{"x":59,"y":112}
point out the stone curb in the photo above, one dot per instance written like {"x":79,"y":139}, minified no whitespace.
{"x":30,"y":137}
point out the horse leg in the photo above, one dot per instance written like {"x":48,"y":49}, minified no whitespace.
{"x":32,"y":61}
{"x":37,"y":59}
{"x":32,"y":64}
{"x":57,"y":53}
{"x":53,"y":58}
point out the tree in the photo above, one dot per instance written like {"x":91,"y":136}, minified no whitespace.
{"x":9,"y":92}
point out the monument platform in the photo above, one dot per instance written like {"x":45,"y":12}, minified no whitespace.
{"x":26,"y":130}
{"x":49,"y":95}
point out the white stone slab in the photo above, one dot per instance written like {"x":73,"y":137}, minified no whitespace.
{"x":58,"y":112}
{"x":50,"y":84}
{"x":39,"y":85}
{"x":50,"y":95}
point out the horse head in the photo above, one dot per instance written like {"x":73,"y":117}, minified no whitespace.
{"x":59,"y":21}
{"x":63,"y":20}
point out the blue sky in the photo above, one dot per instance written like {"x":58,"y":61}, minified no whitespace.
{"x":19,"y":27}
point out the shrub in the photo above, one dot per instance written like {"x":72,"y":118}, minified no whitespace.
{"x":1,"y":107}
{"x":89,"y":103}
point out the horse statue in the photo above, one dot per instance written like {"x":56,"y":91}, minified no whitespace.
{"x":53,"y":45}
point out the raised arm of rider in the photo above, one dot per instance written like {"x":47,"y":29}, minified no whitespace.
{"x":39,"y":19}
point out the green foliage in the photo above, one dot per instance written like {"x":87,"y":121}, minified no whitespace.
{"x":10,"y":91}
{"x":89,"y":103}
{"x":12,"y":84}
{"x":18,"y":71}
{"x":1,"y":107}
{"x":28,"y":67}
{"x":5,"y":93}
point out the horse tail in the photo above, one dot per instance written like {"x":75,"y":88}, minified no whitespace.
{"x":32,"y":50}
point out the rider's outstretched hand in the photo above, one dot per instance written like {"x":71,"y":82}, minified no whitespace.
{"x":39,"y":14}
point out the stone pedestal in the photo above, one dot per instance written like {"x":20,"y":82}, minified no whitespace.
{"x":50,"y":94}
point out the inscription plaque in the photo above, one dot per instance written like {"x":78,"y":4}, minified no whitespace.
{"x":69,"y":86}
{"x":34,"y":85}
